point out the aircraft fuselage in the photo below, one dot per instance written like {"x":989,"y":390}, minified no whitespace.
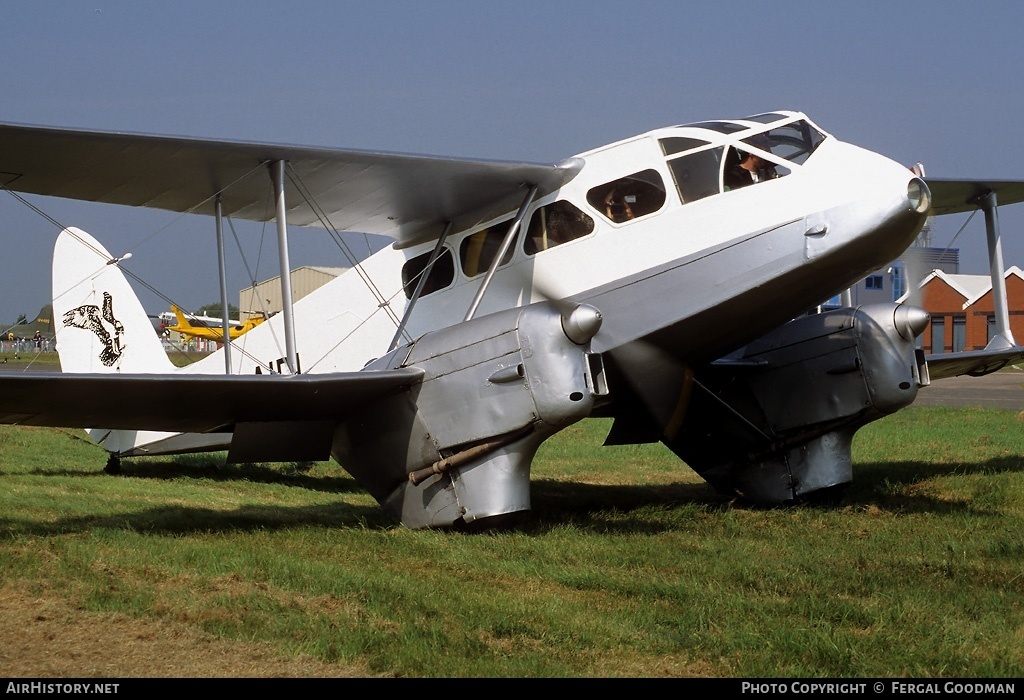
{"x":698,"y":267}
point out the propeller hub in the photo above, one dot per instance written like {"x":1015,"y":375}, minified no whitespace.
{"x":910,"y":321}
{"x":581,"y":324}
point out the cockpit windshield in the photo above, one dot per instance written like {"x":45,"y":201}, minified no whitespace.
{"x":793,"y":142}
{"x":703,"y":168}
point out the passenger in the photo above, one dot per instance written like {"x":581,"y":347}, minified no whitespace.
{"x":619,"y":207}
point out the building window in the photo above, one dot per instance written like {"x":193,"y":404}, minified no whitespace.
{"x":938,"y":334}
{"x":990,"y":325}
{"x":959,"y":334}
{"x":899,"y":281}
{"x":873,"y":282}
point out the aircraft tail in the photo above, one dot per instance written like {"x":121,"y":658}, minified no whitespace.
{"x":183,"y":321}
{"x":99,"y":322}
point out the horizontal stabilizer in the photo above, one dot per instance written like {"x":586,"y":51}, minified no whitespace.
{"x":170,"y":403}
{"x":975,"y":363}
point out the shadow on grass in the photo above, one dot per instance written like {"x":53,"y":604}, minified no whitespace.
{"x":891,"y":484}
{"x":620,"y":508}
{"x":212,"y":468}
{"x":886,"y":485}
{"x":180,"y":520}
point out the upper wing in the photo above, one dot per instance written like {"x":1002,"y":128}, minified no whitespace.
{"x":954,"y":196}
{"x":408,"y":197}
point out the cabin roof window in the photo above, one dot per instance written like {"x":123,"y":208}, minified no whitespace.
{"x":441,"y":274}
{"x":678,"y":144}
{"x":629,"y":197}
{"x":720,"y":127}
{"x":766,"y":118}
{"x":555,"y":224}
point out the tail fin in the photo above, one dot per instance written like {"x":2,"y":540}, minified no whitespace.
{"x":98,"y":320}
{"x":183,"y":321}
{"x":45,"y":317}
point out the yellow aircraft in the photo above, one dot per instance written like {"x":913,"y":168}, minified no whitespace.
{"x":210,"y":328}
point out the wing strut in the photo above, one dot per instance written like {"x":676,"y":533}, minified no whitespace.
{"x":277,"y":173}
{"x":225,"y":317}
{"x":419,"y":285}
{"x":1003,"y":337}
{"x":505,"y":244}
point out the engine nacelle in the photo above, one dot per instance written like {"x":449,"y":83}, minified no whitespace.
{"x":458,"y":446}
{"x":774,"y":423}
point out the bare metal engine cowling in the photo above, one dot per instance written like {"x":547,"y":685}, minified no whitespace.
{"x":457,"y":447}
{"x":774,"y":423}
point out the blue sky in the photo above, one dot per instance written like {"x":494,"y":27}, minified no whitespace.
{"x":936,"y":82}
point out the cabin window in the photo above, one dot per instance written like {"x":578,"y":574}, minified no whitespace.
{"x":478,"y":249}
{"x":629,"y":197}
{"x":696,"y":174}
{"x":555,"y":224}
{"x":441,"y":274}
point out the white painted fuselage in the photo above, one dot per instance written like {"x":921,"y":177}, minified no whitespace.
{"x":704,"y":273}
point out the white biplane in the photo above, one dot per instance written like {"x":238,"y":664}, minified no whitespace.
{"x":663,"y":281}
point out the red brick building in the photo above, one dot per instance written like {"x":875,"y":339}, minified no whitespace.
{"x":962,"y":311}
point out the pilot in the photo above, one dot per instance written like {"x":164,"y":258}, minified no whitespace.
{"x":748,"y":169}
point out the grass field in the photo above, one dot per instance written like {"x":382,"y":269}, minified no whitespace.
{"x":630,"y":566}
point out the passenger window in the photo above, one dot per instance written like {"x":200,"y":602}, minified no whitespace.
{"x":555,"y":224}
{"x":441,"y":274}
{"x":696,"y":175}
{"x":629,"y":197}
{"x":478,"y":250}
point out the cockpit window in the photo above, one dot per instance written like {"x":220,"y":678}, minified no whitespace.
{"x":478,"y":249}
{"x":743,"y":168}
{"x":793,"y":142}
{"x":629,"y":197}
{"x":696,"y":174}
{"x":555,"y":224}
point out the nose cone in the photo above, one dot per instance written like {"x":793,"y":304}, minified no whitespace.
{"x":910,"y":321}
